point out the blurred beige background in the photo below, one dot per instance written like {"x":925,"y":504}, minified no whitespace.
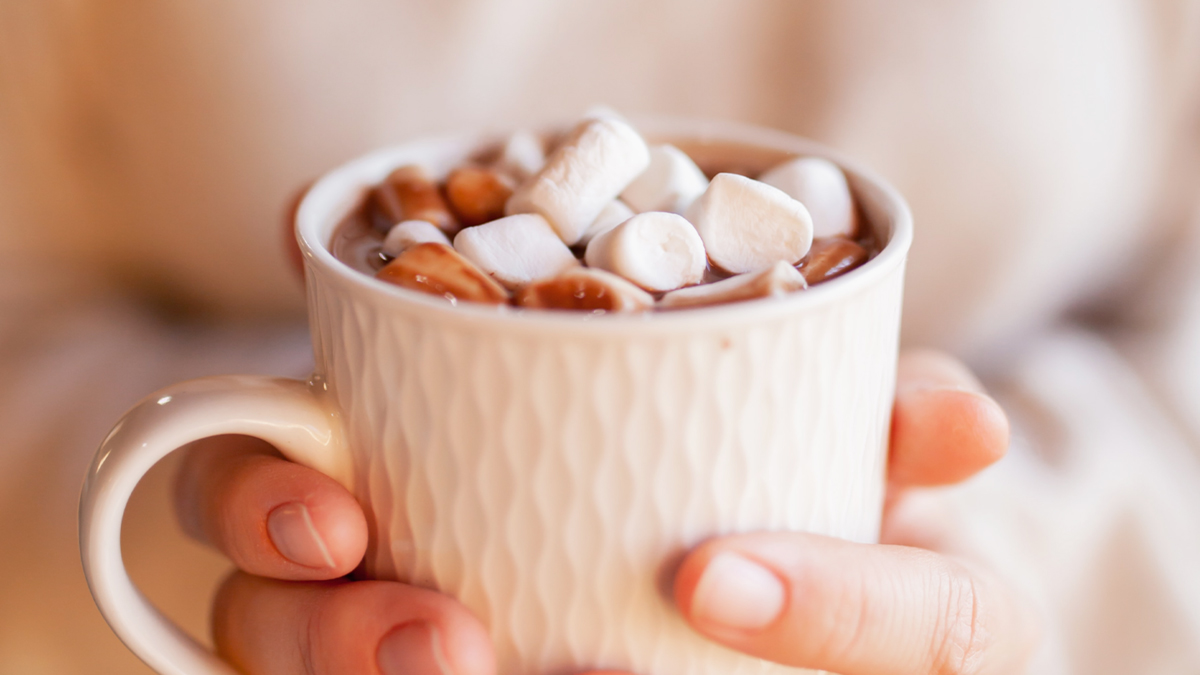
{"x":1049,"y":149}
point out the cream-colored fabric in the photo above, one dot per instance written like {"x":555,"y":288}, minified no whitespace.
{"x":1095,"y":513}
{"x":1049,"y":149}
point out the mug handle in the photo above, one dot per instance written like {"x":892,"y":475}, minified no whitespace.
{"x":289,"y":414}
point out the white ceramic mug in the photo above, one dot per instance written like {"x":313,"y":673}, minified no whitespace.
{"x":545,"y":468}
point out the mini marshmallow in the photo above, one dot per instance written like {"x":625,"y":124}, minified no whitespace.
{"x":747,"y":225}
{"x":515,"y":250}
{"x":439,"y":270}
{"x":613,"y":214}
{"x":410,"y":233}
{"x":778,"y":279}
{"x":477,"y":194}
{"x":821,"y":186}
{"x":584,"y":288}
{"x":586,"y":172}
{"x":671,"y":182}
{"x":830,"y":258}
{"x":655,"y":250}
{"x":410,"y":193}
{"x":523,"y":155}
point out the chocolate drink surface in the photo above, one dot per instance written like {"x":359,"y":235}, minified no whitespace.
{"x":635,"y":261}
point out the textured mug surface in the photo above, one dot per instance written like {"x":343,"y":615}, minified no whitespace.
{"x":546,"y":469}
{"x":549,"y":468}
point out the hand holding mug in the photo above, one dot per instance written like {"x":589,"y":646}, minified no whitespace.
{"x":549,"y":471}
{"x":798,"y":599}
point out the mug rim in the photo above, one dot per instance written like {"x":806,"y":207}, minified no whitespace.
{"x":328,"y":200}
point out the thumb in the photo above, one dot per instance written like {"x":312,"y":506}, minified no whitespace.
{"x":815,"y":602}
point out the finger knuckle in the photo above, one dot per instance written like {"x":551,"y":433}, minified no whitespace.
{"x":308,"y":639}
{"x":962,"y":636}
{"x":323,"y":643}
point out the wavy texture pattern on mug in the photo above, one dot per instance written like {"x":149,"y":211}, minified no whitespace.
{"x":511,"y":468}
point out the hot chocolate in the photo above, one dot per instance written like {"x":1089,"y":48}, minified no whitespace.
{"x":604,"y":223}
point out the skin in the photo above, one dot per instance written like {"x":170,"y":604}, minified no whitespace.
{"x":849,"y":608}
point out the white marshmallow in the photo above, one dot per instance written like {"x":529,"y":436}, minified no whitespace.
{"x":671,"y":182}
{"x":613,"y":214}
{"x":515,"y":250}
{"x":657,"y":251}
{"x":523,"y":155}
{"x":587,"y":171}
{"x":778,"y":279}
{"x":821,"y":187}
{"x":747,"y":225}
{"x":410,"y":233}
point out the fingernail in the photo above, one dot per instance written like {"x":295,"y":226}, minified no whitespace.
{"x":293,"y":533}
{"x":738,"y":593}
{"x":412,"y":649}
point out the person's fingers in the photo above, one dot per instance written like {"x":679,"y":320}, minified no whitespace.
{"x":816,"y":602}
{"x":268,"y":627}
{"x":944,"y":427}
{"x":271,"y":517}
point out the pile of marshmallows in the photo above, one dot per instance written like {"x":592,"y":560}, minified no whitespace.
{"x":647,"y":218}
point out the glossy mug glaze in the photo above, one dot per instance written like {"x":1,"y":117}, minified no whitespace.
{"x":547,"y":468}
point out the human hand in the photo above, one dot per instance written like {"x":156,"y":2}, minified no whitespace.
{"x":795,"y":598}
{"x":817,"y":602}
